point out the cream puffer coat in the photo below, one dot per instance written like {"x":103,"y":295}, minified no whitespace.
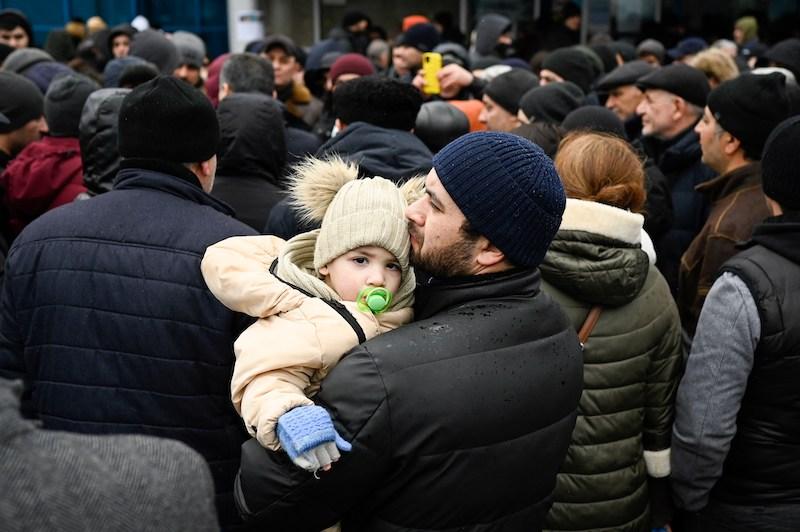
{"x":282,"y":358}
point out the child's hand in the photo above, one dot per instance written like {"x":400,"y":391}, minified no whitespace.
{"x":309,"y":438}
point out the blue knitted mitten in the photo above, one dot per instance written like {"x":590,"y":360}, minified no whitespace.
{"x":303,"y":428}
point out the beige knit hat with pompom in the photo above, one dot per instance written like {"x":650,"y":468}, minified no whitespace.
{"x":354,"y":212}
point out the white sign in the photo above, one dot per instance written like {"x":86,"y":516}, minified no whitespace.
{"x":249,"y":25}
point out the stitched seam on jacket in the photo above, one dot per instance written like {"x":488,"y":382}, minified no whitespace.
{"x":128,"y":353}
{"x":127,"y":389}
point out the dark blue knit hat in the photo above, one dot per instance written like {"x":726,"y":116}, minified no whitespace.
{"x":508,"y":190}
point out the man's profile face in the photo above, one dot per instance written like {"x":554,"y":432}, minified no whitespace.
{"x":439,"y":245}
{"x":285,"y":65}
{"x":15,"y":37}
{"x":711,"y":142}
{"x":496,"y":117}
{"x":624,"y":100}
{"x":657,"y":109}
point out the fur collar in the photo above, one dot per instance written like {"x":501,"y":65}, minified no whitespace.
{"x":604,"y":220}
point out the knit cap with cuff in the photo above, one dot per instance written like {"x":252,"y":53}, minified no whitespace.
{"x":749,"y":107}
{"x":21,"y":102}
{"x":780,"y":163}
{"x":572,"y":65}
{"x":507,"y":89}
{"x":424,"y":37}
{"x":64,"y":102}
{"x":552,"y":102}
{"x":508,"y":190}
{"x":680,"y":80}
{"x":354,"y":213}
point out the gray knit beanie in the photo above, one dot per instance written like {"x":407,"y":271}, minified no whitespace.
{"x":64,"y":101}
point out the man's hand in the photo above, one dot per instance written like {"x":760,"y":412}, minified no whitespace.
{"x":309,"y":438}
{"x":452,"y":79}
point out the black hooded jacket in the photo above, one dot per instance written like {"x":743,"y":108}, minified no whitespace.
{"x":98,"y":139}
{"x":459,"y":421}
{"x":251,"y":156}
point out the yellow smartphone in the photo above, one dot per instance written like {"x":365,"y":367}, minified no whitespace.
{"x":431,"y":65}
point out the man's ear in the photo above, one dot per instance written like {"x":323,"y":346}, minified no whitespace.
{"x":487,"y":254}
{"x":732,"y":145}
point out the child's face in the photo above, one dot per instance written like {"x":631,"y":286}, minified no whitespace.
{"x":360,"y":267}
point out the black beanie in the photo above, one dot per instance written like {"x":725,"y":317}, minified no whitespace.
{"x":786,"y":54}
{"x":168,"y":119}
{"x":379,"y":101}
{"x":780,"y":163}
{"x":507,"y":89}
{"x":551,"y":102}
{"x":572,"y":65}
{"x":63,"y":103}
{"x":21,"y":102}
{"x":680,"y":80}
{"x":424,"y":37}
{"x":749,"y":107}
{"x":594,"y":118}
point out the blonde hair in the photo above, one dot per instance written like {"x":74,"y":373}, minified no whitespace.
{"x":715,"y":64}
{"x":602,"y":168}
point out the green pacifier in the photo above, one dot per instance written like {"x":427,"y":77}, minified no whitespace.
{"x":375,"y":299}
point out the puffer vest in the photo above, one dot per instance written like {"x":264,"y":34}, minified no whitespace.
{"x":763,"y":465}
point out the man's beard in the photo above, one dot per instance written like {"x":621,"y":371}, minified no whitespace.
{"x":452,"y":261}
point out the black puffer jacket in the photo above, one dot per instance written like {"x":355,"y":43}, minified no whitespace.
{"x":251,"y":156}
{"x":105,"y":314}
{"x":458,"y":421}
{"x":389,"y":153}
{"x":98,"y":139}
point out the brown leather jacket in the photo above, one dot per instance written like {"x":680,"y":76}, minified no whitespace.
{"x":737,"y":205}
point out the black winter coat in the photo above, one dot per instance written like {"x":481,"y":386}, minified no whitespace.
{"x":459,"y":421}
{"x":105,"y":314}
{"x":389,"y":153}
{"x":251,"y":156}
{"x":679,"y":160}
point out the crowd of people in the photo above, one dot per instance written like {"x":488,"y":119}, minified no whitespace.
{"x":300,"y":288}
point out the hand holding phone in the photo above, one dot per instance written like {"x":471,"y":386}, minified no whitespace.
{"x":431,"y":65}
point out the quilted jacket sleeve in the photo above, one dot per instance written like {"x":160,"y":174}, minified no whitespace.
{"x":276,"y":359}
{"x":269,"y":488}
{"x":236,"y":271}
{"x":666,"y":364}
{"x":12,"y":361}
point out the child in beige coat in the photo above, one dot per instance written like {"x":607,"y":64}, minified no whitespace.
{"x":310,"y":294}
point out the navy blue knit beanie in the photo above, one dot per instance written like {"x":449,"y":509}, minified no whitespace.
{"x":508,"y":190}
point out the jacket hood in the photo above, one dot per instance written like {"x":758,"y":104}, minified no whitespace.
{"x":780,"y":234}
{"x":252,"y":137}
{"x":389,"y":153}
{"x":488,"y":30}
{"x":98,"y":139}
{"x":596,"y":255}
